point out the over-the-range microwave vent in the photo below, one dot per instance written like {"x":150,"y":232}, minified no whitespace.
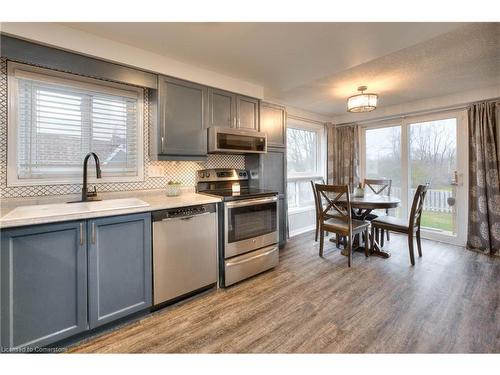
{"x":236,"y":141}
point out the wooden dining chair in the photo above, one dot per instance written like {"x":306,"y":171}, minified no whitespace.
{"x":336,"y":217}
{"x":317,"y":207}
{"x":410,"y":227}
{"x":379,"y":186}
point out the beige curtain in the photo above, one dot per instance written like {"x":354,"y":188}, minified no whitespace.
{"x":343,"y":155}
{"x":484,"y":190}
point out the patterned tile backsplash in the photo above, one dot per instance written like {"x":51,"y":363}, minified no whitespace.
{"x":183,"y":171}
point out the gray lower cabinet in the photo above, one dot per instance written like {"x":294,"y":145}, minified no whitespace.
{"x":271,"y":171}
{"x":182,"y":120}
{"x":119,"y":258}
{"x":283,"y":228}
{"x":43,"y":284}
{"x":52,"y":275}
{"x":273,"y":167}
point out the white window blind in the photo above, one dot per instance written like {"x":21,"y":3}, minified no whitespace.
{"x":59,"y":121}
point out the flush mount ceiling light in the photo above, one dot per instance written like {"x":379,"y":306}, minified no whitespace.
{"x":362,"y":102}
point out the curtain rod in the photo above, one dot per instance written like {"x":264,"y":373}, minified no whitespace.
{"x":421,"y":112}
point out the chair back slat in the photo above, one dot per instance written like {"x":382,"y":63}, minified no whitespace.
{"x":377,"y":186}
{"x":332,"y":196}
{"x":417,"y":206}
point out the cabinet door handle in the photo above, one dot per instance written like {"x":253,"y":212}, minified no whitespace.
{"x":93,"y":233}
{"x":81,"y":234}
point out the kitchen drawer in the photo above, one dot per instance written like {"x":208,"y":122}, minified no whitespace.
{"x":249,"y":264}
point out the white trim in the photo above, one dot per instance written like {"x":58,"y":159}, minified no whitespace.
{"x":302,"y":230}
{"x":301,"y":209}
{"x":15,"y":70}
{"x":320,"y":130}
{"x":298,"y":211}
{"x":305,"y":177}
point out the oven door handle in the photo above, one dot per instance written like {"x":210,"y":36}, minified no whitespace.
{"x":251,"y":202}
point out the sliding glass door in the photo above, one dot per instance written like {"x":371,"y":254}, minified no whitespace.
{"x":433,"y":160}
{"x":383,"y":158}
{"x":428,"y":149}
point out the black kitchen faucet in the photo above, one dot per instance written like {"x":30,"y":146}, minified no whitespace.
{"x":90,"y":195}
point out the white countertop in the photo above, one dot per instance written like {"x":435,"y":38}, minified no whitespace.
{"x":42,"y":210}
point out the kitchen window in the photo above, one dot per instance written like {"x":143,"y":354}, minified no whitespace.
{"x":305,"y":162}
{"x":55,"y":119}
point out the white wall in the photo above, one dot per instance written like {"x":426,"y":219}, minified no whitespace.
{"x":300,"y":113}
{"x":301,"y":221}
{"x":70,"y":39}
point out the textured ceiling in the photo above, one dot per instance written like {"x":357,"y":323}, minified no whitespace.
{"x":316,"y":66}
{"x":461,"y":60}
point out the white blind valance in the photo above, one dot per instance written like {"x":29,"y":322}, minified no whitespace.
{"x":60,"y":120}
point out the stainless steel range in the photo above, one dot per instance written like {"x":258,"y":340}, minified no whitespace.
{"x":248,"y":224}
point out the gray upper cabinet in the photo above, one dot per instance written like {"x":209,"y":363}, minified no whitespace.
{"x":247,"y":112}
{"x":273,"y":123}
{"x":43,"y":284}
{"x":222,"y":108}
{"x":182,"y":120}
{"x":233,"y":111}
{"x":119,"y":257}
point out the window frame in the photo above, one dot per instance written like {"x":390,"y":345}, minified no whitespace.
{"x":320,"y":172}
{"x":79,"y":82}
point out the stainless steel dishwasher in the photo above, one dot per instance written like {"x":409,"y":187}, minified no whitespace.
{"x":184,"y":252}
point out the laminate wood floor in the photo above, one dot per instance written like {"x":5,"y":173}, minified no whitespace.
{"x":447,"y":302}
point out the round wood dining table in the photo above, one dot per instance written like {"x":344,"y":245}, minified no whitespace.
{"x":361,"y":207}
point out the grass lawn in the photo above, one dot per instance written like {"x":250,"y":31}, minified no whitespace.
{"x":437,"y":220}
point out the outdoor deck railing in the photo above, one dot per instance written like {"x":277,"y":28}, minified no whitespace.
{"x":435,"y":200}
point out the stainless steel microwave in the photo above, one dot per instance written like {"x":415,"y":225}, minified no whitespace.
{"x":236,"y":141}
